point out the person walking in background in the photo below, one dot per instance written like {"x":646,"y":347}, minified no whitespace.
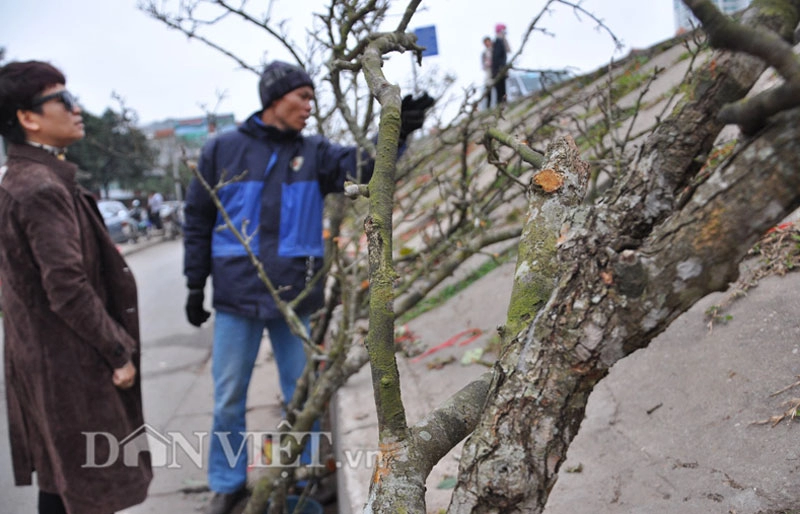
{"x":486,"y":65}
{"x":70,"y":315}
{"x":500,"y":51}
{"x":283,"y":177}
{"x":154,"y":204}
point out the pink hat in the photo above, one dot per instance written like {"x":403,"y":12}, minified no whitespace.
{"x":500,"y":27}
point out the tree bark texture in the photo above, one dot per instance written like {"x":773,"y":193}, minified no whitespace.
{"x":634,"y":261}
{"x":558,"y":187}
{"x":398,"y":483}
{"x":378,"y":227}
{"x":402,"y":468}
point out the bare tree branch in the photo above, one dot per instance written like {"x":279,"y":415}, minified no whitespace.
{"x":770,"y":47}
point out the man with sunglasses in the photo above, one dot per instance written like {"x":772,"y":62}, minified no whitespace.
{"x":70,"y":312}
{"x":62,"y":95}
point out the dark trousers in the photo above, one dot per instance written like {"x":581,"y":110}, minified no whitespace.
{"x":50,"y":503}
{"x":155,"y":220}
{"x":500,"y":89}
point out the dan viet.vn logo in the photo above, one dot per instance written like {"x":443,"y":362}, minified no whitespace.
{"x":174,"y":449}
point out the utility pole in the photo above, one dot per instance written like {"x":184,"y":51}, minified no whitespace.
{"x":176,"y":175}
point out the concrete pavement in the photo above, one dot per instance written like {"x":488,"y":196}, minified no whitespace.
{"x":178,"y":399}
{"x":670,"y":430}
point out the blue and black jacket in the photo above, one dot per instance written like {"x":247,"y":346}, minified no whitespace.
{"x":278,"y":198}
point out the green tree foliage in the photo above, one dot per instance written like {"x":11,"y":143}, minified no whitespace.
{"x":113,"y":151}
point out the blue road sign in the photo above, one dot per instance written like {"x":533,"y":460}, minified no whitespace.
{"x":426,"y":36}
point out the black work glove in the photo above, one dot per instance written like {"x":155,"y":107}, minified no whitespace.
{"x":412,"y":113}
{"x":195,"y":312}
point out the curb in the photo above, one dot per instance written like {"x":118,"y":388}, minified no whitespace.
{"x":129,"y":249}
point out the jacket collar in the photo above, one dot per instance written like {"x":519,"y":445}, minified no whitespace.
{"x":60,"y":153}
{"x":64,"y":170}
{"x":256,"y":128}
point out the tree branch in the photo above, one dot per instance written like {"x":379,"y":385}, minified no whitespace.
{"x":724,"y":33}
{"x":378,"y":226}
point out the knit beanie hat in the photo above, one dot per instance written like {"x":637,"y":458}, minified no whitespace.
{"x":278,"y":79}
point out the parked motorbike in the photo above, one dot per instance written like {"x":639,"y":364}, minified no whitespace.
{"x":143,"y":225}
{"x":172,"y":219}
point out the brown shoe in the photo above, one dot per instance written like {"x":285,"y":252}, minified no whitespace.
{"x":224,"y":503}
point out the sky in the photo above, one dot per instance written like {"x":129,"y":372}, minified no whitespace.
{"x":110,"y":46}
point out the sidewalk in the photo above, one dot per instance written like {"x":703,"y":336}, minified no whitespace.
{"x":178,"y":403}
{"x":140,"y":244}
{"x":184,"y":406}
{"x":670,"y":430}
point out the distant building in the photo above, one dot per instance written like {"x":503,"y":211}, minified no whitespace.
{"x":684,"y":20}
{"x":174,"y":139}
{"x":183,"y":134}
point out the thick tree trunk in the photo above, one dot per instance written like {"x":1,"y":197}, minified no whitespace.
{"x":591,"y":322}
{"x":405,"y":462}
{"x":637,"y":264}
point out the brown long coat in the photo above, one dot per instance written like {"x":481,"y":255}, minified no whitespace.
{"x":70,"y":318}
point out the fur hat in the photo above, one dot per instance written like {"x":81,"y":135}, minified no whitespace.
{"x":280,"y":78}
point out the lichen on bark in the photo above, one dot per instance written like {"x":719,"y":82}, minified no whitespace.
{"x":536,"y":262}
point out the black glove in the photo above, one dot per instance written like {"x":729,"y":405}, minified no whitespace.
{"x":194,"y":308}
{"x":412,"y":113}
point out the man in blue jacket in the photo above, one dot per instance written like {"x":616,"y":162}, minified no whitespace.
{"x":279,"y":197}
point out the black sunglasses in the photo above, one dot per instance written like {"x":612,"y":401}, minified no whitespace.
{"x":63,"y":96}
